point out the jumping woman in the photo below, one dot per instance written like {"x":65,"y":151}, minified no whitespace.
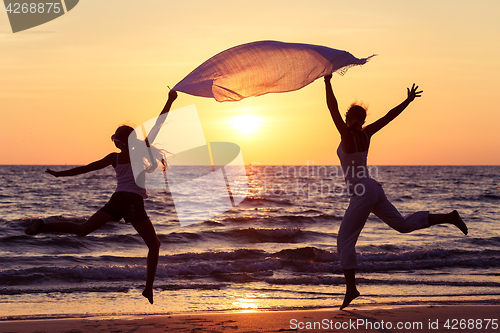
{"x":367,"y":194}
{"x":128,"y":200}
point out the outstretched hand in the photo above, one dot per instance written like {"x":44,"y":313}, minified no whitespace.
{"x":413,"y":92}
{"x":172,"y":95}
{"x":328,"y":77}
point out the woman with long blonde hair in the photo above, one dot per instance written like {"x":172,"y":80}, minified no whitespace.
{"x":128,"y":200}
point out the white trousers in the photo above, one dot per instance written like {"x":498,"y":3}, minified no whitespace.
{"x":373,"y":200}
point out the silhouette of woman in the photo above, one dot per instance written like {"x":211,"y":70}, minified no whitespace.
{"x":128,"y":200}
{"x":367,"y":195}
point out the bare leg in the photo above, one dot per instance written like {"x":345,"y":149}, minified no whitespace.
{"x":351,"y":290}
{"x":452,"y":218}
{"x":81,"y":229}
{"x":147,"y":232}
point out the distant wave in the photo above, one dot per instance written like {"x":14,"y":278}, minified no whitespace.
{"x":297,"y":219}
{"x":246,"y":235}
{"x":474,"y":198}
{"x":265,"y":202}
{"x":309,"y":264}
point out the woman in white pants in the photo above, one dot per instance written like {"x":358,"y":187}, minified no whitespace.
{"x":367,"y":196}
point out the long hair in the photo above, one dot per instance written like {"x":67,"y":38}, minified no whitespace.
{"x":151,"y":158}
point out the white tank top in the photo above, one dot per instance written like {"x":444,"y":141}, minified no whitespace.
{"x":354,"y":165}
{"x":125,"y":180}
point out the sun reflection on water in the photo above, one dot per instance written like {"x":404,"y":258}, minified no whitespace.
{"x":249,"y":303}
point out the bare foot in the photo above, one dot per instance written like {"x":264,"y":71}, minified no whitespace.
{"x":148,"y":293}
{"x":349,"y":296}
{"x":35,"y":228}
{"x":459,"y":223}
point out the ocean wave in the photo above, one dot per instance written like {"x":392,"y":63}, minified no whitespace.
{"x":107,"y":288}
{"x":491,"y":196}
{"x":247,"y":235}
{"x":486,"y":197}
{"x":247,"y":265}
{"x":243,"y":219}
{"x":179,"y":237}
{"x":304,"y":219}
{"x":52,"y":242}
{"x":213,"y":223}
{"x":491,"y":241}
{"x":285,"y":220}
{"x":47,"y":242}
{"x":306,"y":253}
{"x":265,"y":202}
{"x":212,"y":256}
{"x":43,"y":274}
{"x":339,"y":280}
{"x":276,"y":235}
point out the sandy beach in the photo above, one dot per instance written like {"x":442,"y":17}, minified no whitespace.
{"x":471,"y":318}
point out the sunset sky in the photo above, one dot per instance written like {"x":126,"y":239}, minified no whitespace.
{"x":66,"y":85}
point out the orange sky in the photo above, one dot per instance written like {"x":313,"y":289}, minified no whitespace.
{"x":66,"y":85}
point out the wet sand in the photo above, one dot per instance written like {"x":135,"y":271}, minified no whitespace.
{"x":470,"y":318}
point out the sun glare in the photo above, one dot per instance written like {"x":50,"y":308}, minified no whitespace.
{"x":247,"y":304}
{"x":246,"y":124}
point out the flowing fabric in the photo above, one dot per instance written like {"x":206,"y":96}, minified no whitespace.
{"x":263,"y":67}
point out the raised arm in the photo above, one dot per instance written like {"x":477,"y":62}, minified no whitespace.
{"x":172,"y":96}
{"x":379,"y":124}
{"x":97,"y":165}
{"x":333,"y":106}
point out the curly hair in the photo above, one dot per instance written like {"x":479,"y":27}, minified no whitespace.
{"x":356,"y":115}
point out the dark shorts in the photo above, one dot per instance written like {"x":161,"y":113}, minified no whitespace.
{"x":126,"y":205}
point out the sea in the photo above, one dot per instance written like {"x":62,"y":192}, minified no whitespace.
{"x":275,"y":250}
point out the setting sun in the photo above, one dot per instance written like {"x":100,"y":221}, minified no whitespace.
{"x":246,"y":124}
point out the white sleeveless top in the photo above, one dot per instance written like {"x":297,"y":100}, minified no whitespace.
{"x":125,"y":180}
{"x":354,"y":165}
